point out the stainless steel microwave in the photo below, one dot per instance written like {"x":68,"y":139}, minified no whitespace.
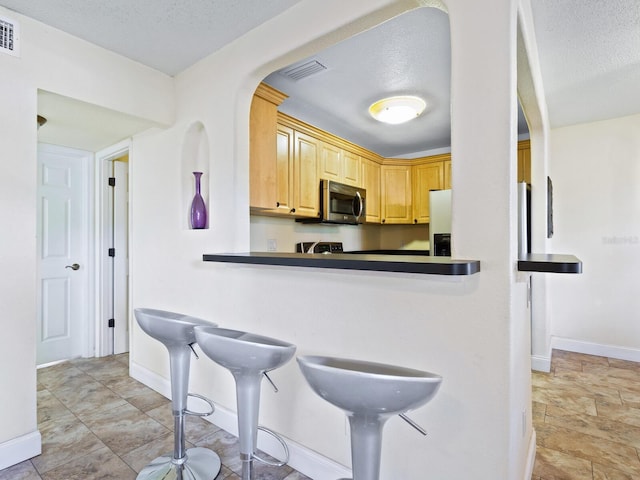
{"x":340,"y":203}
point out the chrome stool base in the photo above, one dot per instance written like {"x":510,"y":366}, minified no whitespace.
{"x":199,"y":464}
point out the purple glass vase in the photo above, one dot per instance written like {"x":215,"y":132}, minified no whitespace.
{"x":198,"y":208}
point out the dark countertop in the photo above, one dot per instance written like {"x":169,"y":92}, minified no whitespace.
{"x":550,"y":263}
{"x":390,"y":252}
{"x":344,"y":261}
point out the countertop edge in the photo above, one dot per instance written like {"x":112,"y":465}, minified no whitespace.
{"x":380,"y":263}
{"x":550,"y":263}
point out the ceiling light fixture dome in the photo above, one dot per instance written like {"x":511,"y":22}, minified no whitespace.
{"x":396,"y":110}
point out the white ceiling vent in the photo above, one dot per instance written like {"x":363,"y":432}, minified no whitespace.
{"x":304,"y":70}
{"x":9,"y":36}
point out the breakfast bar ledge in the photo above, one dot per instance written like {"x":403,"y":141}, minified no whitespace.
{"x":381,"y":263}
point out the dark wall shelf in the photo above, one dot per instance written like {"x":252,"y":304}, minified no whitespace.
{"x":381,"y":263}
{"x":550,"y":263}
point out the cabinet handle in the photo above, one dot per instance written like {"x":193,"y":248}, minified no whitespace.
{"x":293,"y":210}
{"x":384,"y":220}
{"x":415,"y":220}
{"x":277,"y":204}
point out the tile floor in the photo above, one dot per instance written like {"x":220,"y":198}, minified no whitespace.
{"x":97,"y":423}
{"x":586,"y":414}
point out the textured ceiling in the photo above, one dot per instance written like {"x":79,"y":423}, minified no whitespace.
{"x":168,"y":35}
{"x":407,"y":55}
{"x":590,"y":58}
{"x":589,"y":53}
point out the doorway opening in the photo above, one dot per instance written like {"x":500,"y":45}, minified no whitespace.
{"x":113,"y":251}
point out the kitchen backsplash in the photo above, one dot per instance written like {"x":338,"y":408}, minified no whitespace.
{"x":282,"y":234}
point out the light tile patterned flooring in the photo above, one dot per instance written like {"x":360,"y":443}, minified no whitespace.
{"x":97,"y":423}
{"x":586,"y":414}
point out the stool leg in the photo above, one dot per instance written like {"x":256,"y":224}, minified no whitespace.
{"x":248,"y":402}
{"x":179,"y":365}
{"x":366,"y":445}
{"x":196,"y":463}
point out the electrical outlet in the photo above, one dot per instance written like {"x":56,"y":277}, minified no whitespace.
{"x":272,"y":245}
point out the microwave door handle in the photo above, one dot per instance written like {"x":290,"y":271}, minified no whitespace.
{"x":357,"y":215}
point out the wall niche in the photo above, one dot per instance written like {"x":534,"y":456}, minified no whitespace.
{"x":195,"y":158}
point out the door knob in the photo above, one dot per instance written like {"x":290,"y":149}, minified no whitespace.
{"x":75,"y":266}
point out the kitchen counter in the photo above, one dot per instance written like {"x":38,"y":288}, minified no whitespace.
{"x":381,"y":263}
{"x":550,"y":263}
{"x":391,"y":252}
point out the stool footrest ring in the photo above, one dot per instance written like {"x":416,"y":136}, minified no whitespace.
{"x":282,"y":442}
{"x":200,"y":414}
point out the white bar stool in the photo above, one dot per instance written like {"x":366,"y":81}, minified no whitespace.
{"x":370,"y":394}
{"x":248,"y":357}
{"x":176,"y":332}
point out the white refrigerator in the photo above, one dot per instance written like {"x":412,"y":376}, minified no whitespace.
{"x":440,"y":222}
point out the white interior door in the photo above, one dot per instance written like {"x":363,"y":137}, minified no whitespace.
{"x":62,"y":242}
{"x":121,"y":258}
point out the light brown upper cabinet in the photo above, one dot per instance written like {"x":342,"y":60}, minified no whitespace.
{"x":371,"y":183}
{"x":306,"y":184}
{"x":284,"y":170}
{"x":262,"y":147}
{"x":351,"y":168}
{"x":426,"y":177}
{"x":331,"y":160}
{"x":297,"y":174}
{"x":396,"y":196}
{"x":339,"y":164}
{"x":524,"y":161}
{"x":447,"y":173}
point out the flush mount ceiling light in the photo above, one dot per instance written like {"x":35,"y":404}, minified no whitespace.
{"x":395,"y":110}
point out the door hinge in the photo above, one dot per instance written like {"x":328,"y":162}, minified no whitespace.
{"x":112,"y":181}
{"x":112,"y":322}
{"x":112,"y":252}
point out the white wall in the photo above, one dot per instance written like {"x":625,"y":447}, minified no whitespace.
{"x":595,"y":169}
{"x":473,"y":330}
{"x":59,"y":63}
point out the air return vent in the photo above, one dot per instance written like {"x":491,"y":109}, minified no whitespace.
{"x":9,"y":37}
{"x":304,"y":70}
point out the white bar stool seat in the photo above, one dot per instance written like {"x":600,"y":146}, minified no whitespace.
{"x":369,"y":393}
{"x":248,"y":357}
{"x":176,"y":332}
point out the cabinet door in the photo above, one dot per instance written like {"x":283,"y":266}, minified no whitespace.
{"x":330,"y":162}
{"x":371,"y":183}
{"x":426,"y":177}
{"x":524,"y":162}
{"x":306,"y":185}
{"x":447,"y":174}
{"x":284,"y":169}
{"x":351,"y":168}
{"x":262,"y":154}
{"x":396,"y":194}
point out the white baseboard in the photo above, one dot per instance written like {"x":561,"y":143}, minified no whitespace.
{"x":531,"y":457}
{"x":540,"y":363}
{"x":20,"y":449}
{"x":302,"y":459}
{"x":590,"y":348}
